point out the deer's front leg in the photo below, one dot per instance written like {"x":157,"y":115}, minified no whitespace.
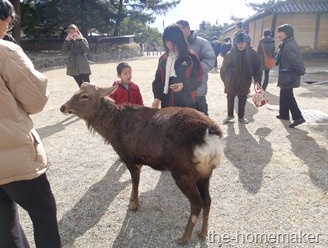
{"x":135,"y":176}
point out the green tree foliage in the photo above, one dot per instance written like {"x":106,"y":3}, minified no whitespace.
{"x":259,"y":7}
{"x":209,"y":31}
{"x":49,"y":18}
{"x":140,"y":10}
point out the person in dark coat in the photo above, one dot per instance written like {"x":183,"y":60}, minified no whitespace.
{"x":226,"y":47}
{"x":291,"y":68}
{"x":215,"y":43}
{"x":268,"y":44}
{"x":239,"y":67}
{"x":179,"y":73}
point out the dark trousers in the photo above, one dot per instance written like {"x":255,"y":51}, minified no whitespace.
{"x":36,"y":198}
{"x":241,"y":105}
{"x":201,"y":104}
{"x":288,"y":103}
{"x":264,"y":85}
{"x":216,"y":63}
{"x":82,"y":78}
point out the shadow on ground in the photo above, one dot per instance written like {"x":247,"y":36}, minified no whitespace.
{"x":158,"y":217}
{"x":47,"y":131}
{"x":93,"y":204}
{"x":248,"y":155}
{"x":314,"y":156}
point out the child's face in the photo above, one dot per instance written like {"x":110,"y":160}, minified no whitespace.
{"x":126,"y":75}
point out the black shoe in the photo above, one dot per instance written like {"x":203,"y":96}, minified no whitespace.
{"x":297,"y":122}
{"x":282,"y":117}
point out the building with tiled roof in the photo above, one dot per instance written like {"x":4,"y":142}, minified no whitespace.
{"x":310,"y":22}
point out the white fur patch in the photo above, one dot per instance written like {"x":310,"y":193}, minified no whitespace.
{"x":209,"y":155}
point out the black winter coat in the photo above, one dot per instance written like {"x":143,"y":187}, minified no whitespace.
{"x":291,"y":66}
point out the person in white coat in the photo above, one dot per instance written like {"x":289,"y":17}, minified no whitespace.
{"x":23,"y":161}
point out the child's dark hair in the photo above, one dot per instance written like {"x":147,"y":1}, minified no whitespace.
{"x":174,"y":34}
{"x":121,"y":66}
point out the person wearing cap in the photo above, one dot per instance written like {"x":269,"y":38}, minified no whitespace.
{"x":291,"y":68}
{"x":215,"y":43}
{"x":267,"y":46}
{"x":240,"y":66}
{"x":206,"y":55}
{"x":240,"y":28}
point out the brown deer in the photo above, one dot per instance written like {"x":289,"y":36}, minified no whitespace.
{"x":180,"y":140}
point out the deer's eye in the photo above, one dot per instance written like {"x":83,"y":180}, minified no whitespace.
{"x":84,"y":97}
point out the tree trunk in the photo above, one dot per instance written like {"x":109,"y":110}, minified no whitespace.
{"x":16,"y":29}
{"x":118,"y":19}
{"x":83,"y":15}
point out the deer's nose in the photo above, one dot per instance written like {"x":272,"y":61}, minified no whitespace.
{"x":62,"y":108}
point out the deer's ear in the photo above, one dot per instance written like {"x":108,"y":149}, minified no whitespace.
{"x":105,"y":91}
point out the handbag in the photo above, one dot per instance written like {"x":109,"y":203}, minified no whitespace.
{"x":268,"y":61}
{"x":259,"y":97}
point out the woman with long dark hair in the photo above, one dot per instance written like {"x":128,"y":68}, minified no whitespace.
{"x":179,"y":72}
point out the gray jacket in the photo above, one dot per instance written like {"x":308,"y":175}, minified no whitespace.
{"x":269,"y":47}
{"x":77,"y":60}
{"x":206,"y":55}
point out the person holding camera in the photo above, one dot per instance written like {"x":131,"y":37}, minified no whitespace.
{"x":77,"y":47}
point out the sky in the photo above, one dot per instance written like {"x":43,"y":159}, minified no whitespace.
{"x":205,"y":10}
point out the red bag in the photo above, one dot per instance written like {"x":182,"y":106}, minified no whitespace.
{"x":259,"y":97}
{"x":269,"y":62}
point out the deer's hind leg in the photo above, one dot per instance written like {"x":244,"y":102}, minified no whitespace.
{"x":188,"y":187}
{"x":203,"y":188}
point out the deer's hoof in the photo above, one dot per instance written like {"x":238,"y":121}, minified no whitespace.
{"x":183,"y":241}
{"x":133,"y":206}
{"x":202,"y":235}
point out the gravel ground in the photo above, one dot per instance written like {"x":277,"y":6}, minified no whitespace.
{"x":270,"y":190}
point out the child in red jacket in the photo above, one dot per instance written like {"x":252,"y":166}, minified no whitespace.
{"x":127,"y":92}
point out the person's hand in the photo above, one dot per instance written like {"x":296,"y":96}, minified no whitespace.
{"x":155,"y":103}
{"x":111,"y":100}
{"x":68,"y":38}
{"x":77,"y":37}
{"x":177,"y":87}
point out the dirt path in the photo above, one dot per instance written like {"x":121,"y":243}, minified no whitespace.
{"x":270,"y":191}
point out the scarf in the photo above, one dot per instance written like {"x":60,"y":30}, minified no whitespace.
{"x":169,"y":70}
